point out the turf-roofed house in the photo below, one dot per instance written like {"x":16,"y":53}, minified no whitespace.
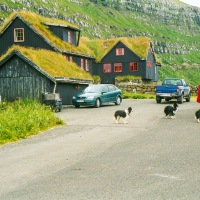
{"x":124,"y":57}
{"x":29,"y":73}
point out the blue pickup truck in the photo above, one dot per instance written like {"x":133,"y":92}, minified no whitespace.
{"x":173,"y":88}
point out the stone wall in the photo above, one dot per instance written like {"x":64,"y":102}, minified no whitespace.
{"x":146,"y":88}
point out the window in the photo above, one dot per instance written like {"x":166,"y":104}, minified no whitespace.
{"x":107,"y":68}
{"x":149,"y":63}
{"x":18,"y":35}
{"x":111,"y":88}
{"x":119,"y":51}
{"x":70,"y":37}
{"x":82,"y":63}
{"x":133,"y":66}
{"x":66,"y":57}
{"x":118,"y":67}
{"x":86,"y":65}
{"x":71,"y":58}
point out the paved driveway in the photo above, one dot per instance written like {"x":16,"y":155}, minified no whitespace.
{"x":93,"y":158}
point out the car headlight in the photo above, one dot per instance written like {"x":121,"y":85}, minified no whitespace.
{"x":90,"y":98}
{"x":73,"y":97}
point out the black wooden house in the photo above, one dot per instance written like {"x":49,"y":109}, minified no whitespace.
{"x":118,"y":57}
{"x":29,"y":73}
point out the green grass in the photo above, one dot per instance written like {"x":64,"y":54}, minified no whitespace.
{"x":24,"y":118}
{"x":131,"y":95}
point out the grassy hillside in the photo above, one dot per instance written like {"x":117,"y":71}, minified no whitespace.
{"x":173,"y":27}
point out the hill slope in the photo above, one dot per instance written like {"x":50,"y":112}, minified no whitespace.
{"x":173,"y":27}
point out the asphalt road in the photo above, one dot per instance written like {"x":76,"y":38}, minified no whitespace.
{"x":92,"y":158}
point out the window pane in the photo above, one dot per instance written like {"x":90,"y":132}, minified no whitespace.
{"x":133,"y":66}
{"x":86,"y":65}
{"x":71,"y":58}
{"x":19,"y":35}
{"x":70,"y":37}
{"x":107,"y":68}
{"x":120,"y":51}
{"x":82,"y":63}
{"x":118,"y":67}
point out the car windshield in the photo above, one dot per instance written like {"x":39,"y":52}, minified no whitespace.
{"x":94,"y":89}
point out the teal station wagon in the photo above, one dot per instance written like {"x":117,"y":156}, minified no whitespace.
{"x":97,"y":95}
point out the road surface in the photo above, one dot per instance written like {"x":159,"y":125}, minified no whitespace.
{"x":92,"y":158}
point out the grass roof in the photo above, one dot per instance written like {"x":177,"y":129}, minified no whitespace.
{"x":101,"y":47}
{"x":36,"y":21}
{"x":59,"y":66}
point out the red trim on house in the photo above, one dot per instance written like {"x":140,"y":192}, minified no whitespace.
{"x":117,"y":67}
{"x":119,"y":51}
{"x":107,"y":68}
{"x":133,"y":66}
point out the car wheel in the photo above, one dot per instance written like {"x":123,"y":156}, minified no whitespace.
{"x":118,"y":101}
{"x":180,"y":99}
{"x":158,"y":99}
{"x":188,"y":98}
{"x":77,"y":106}
{"x":97,"y":103}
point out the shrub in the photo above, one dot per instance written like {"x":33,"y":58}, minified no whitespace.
{"x":96,"y":79}
{"x":24,"y":118}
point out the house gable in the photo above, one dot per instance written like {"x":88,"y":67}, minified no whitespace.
{"x":127,"y":55}
{"x":101,"y":47}
{"x":20,"y":78}
{"x":37,"y":24}
{"x":31,"y":38}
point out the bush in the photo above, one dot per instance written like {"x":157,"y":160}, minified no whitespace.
{"x":96,"y":79}
{"x":24,"y":118}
